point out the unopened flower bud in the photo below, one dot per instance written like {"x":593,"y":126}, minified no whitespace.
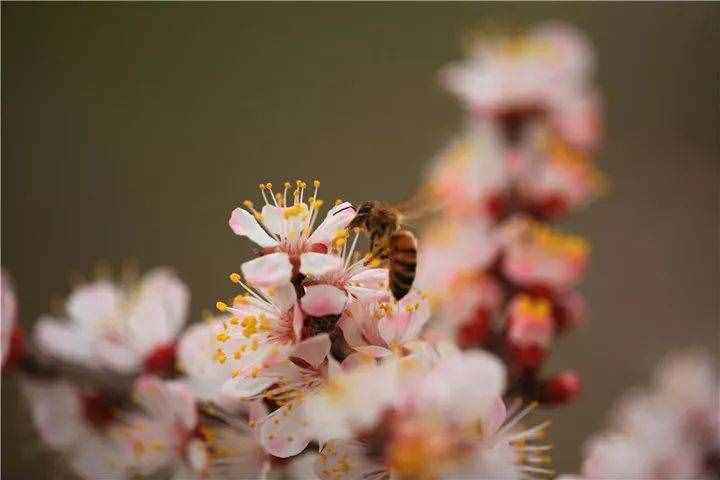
{"x":562,"y":387}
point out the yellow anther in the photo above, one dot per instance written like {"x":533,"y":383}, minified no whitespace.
{"x":338,"y":201}
{"x":316,"y":183}
{"x":296,"y":210}
{"x":254,"y":345}
{"x":249,"y":324}
{"x":265,"y":323}
{"x":235,"y":277}
{"x":220,"y":356}
{"x":411,"y":307}
{"x":255,"y":372}
{"x":374,"y":262}
{"x":534,"y":307}
{"x":222,"y":306}
{"x":286,"y":185}
{"x":238,"y":354}
{"x":222,"y":336}
{"x":240,"y":300}
{"x":268,"y":185}
{"x":248,"y":204}
{"x":262,"y":186}
{"x":234,"y":372}
{"x":316,"y":203}
{"x":234,"y":321}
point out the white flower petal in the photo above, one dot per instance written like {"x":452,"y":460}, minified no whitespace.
{"x":56,"y":411}
{"x":337,"y":218}
{"x":314,"y":350}
{"x":318,"y":264}
{"x":371,"y":278}
{"x":283,"y":296}
{"x":284,"y":432}
{"x":348,"y":457}
{"x":245,"y":387}
{"x":243,"y":223}
{"x":269,"y":270}
{"x":64,"y":341}
{"x":93,"y":302}
{"x":165,"y":299}
{"x":320,"y":300}
{"x":272,"y":218}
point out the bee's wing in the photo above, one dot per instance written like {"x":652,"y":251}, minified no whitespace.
{"x":420,"y":204}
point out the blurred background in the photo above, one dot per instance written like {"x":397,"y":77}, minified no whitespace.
{"x":130,"y":131}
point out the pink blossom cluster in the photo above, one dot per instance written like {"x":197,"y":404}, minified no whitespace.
{"x":502,"y":278}
{"x":669,"y":430}
{"x":314,"y":370}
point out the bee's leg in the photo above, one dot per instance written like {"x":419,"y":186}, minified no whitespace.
{"x":379,"y":252}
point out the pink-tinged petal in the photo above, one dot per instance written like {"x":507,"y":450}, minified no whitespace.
{"x":269,"y":270}
{"x":90,"y":304}
{"x":371,"y":278}
{"x":56,"y":411}
{"x":101,"y":458}
{"x":162,"y":286}
{"x":298,"y":322}
{"x":314,"y":350}
{"x":348,"y":457}
{"x":320,"y":300}
{"x":257,"y":410}
{"x":150,"y":393}
{"x":352,"y":329}
{"x":197,"y":456}
{"x":357,"y":360}
{"x":337,"y":219}
{"x":272,"y":218}
{"x":318,"y":264}
{"x":117,"y":355}
{"x":63,"y":341}
{"x":374,"y":351}
{"x":283,"y":296}
{"x":495,"y":417}
{"x":245,"y":387}
{"x":284,"y":433}
{"x":8,"y":314}
{"x":182,"y":402}
{"x":368,"y":294}
{"x":243,"y":223}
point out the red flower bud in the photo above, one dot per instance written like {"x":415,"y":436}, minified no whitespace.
{"x":474,"y":332}
{"x":562,"y":387}
{"x":161,"y":361}
{"x":17,"y":349}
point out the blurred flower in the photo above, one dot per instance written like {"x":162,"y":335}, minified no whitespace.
{"x":77,"y":422}
{"x":163,"y":434}
{"x":379,"y":328}
{"x":12,"y":348}
{"x":516,"y":78}
{"x":671,"y":430}
{"x":452,"y":413}
{"x":125,"y":328}
{"x":538,"y":256}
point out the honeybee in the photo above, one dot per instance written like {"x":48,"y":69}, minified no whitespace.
{"x":390,"y":243}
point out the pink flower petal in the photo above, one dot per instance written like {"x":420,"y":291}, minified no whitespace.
{"x":243,"y":223}
{"x":318,"y":264}
{"x":284,"y":432}
{"x":314,"y":350}
{"x":90,"y":303}
{"x":337,"y":218}
{"x":320,"y":300}
{"x":245,"y":387}
{"x":269,"y":270}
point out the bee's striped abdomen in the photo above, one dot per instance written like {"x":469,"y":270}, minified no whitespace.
{"x":403,"y":262}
